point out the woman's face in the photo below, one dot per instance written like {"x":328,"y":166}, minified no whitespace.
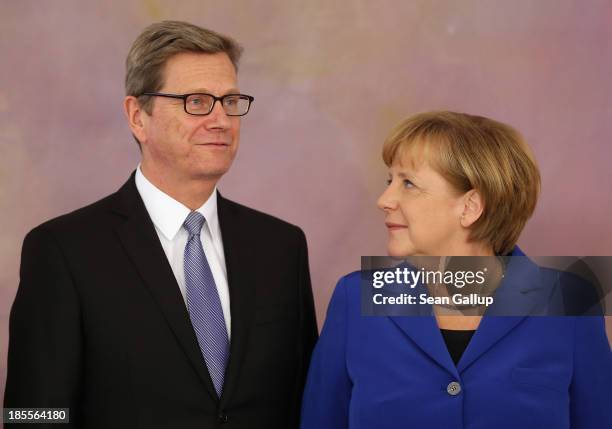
{"x":423,"y":212}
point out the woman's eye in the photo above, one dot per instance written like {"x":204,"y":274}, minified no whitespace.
{"x":388,"y":182}
{"x":408,"y":183}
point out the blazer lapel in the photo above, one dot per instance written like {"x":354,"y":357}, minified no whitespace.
{"x":418,"y":322}
{"x":424,"y":332}
{"x":523,"y":292}
{"x":240,"y":261}
{"x":489,"y":332}
{"x":138,"y":236}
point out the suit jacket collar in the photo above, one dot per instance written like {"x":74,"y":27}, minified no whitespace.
{"x":168,"y":214}
{"x":138,"y":237}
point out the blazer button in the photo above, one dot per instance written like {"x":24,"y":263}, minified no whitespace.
{"x":453,"y":388}
{"x":222,"y":417}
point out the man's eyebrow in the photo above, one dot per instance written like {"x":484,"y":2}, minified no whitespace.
{"x":208,"y":91}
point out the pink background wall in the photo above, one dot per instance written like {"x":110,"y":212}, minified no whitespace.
{"x":330,"y":80}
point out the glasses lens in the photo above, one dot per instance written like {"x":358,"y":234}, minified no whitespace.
{"x":199,"y":104}
{"x":236,"y":105}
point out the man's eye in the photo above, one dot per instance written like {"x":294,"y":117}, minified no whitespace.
{"x":388,"y":181}
{"x":198,"y":102}
{"x":230,"y":101}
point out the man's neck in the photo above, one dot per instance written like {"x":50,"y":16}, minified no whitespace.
{"x":191,"y":193}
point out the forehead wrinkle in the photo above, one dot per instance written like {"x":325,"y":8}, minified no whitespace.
{"x":407,"y":167}
{"x":189,"y":70}
{"x":203,"y":90}
{"x":404,"y":175}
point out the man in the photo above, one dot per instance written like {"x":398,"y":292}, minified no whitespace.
{"x":166,"y":305}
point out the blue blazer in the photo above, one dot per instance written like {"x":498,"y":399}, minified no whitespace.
{"x":517,"y":372}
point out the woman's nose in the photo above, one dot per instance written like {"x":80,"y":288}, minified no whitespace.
{"x":387,"y":201}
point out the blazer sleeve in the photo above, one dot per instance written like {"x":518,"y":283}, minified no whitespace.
{"x":308,"y":331}
{"x":328,"y":387}
{"x":592,"y":377}
{"x":45,"y":341}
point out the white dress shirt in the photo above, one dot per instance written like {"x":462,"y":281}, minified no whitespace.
{"x":168,"y":216}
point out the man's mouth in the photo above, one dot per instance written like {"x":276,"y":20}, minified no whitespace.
{"x":213,"y":144}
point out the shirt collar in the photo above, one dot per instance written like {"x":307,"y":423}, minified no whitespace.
{"x":168,"y":214}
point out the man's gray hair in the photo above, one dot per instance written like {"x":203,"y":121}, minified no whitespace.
{"x":160,"y":41}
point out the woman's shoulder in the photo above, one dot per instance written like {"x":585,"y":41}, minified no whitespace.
{"x":347,"y":285}
{"x":347,"y":293}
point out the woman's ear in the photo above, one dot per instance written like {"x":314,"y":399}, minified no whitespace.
{"x":473,"y":206}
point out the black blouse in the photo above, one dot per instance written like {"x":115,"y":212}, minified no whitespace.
{"x":456,"y":342}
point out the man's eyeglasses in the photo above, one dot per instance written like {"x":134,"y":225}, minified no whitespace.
{"x":202,"y":103}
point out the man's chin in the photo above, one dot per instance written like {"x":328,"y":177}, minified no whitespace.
{"x":210,"y":170}
{"x":209,"y":174}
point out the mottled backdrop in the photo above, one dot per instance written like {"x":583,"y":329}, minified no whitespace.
{"x":330,"y":79}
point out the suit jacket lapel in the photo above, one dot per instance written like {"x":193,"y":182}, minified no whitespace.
{"x":138,"y":236}
{"x":240,"y":261}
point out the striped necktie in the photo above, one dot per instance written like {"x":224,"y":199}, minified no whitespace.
{"x":204,"y":304}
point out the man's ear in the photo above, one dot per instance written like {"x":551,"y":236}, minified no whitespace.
{"x":136,"y":117}
{"x":473,"y":206}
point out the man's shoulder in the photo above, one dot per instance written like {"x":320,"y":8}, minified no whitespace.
{"x":88,"y":218}
{"x":257,"y":219}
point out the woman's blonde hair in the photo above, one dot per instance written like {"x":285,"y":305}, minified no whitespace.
{"x":474,"y":152}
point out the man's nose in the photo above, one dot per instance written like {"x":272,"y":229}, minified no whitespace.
{"x":217,"y":118}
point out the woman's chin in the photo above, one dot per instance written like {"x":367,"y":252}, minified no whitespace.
{"x":396,"y":252}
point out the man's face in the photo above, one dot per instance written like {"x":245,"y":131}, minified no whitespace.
{"x":185,"y":146}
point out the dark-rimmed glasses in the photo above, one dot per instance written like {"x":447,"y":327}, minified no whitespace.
{"x":202,"y":104}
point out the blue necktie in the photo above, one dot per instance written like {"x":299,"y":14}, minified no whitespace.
{"x":204,"y":304}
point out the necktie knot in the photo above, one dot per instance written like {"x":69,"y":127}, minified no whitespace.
{"x":193,"y":223}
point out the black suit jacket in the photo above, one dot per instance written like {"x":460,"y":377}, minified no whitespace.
{"x":99,"y":324}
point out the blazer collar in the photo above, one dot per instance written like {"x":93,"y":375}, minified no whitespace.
{"x":522,"y":288}
{"x":523,"y":292}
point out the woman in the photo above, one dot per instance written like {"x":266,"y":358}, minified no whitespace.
{"x":458,"y":185}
